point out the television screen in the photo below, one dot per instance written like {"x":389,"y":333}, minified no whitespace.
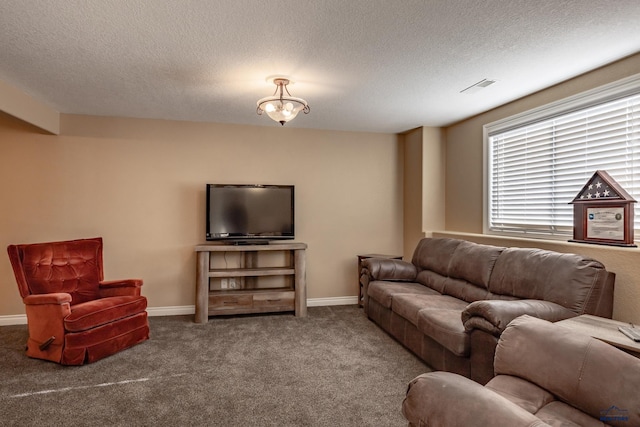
{"x":250,"y":212}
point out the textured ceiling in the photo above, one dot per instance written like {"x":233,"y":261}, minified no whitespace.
{"x":363,"y":65}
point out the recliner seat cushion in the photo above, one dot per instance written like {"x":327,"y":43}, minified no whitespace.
{"x":551,"y":411}
{"x":445,"y":399}
{"x":98,"y":312}
{"x":104,"y":340}
{"x":525,"y":394}
{"x":558,"y":413}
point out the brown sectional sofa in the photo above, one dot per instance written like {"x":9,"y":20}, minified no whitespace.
{"x":450,"y":304}
{"x":545,"y":375}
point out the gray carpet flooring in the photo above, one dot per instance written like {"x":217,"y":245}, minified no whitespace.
{"x":332,"y":368}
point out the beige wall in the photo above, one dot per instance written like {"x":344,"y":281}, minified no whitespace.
{"x":424,"y":184}
{"x":140,"y":185}
{"x":413,"y":231}
{"x":433,"y":179}
{"x":464,"y":173}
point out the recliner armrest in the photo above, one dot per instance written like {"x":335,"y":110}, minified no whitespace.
{"x":57,"y":298}
{"x":390,"y":269}
{"x":123,"y":283}
{"x":493,"y":316}
{"x":123,"y":287}
{"x":447,"y":399}
{"x":45,"y":319}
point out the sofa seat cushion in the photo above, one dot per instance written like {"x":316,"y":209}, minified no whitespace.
{"x":408,"y":306}
{"x":445,"y":327}
{"x":383,"y":291}
{"x":98,"y":312}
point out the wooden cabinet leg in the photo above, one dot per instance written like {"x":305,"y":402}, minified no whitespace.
{"x":202,"y":288}
{"x":300,"y":266}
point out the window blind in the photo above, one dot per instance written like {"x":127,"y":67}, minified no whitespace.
{"x":537,"y":169}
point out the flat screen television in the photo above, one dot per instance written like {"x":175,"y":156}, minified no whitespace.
{"x":239,"y":213}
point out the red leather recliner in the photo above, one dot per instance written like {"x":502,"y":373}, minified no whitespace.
{"x":74,"y":315}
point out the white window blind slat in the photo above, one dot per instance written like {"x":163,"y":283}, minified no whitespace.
{"x":537,"y":169}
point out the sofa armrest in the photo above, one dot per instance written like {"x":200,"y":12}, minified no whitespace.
{"x":389,"y":269}
{"x":493,"y":316}
{"x":447,"y":399}
{"x":124,"y":287}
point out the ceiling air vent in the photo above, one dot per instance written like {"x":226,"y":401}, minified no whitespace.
{"x":477,"y":86}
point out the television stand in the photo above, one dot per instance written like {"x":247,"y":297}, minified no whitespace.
{"x":248,"y":297}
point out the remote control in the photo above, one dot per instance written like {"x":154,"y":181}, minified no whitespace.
{"x":633,"y":333}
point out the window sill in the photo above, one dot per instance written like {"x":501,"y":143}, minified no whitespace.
{"x":549,"y":244}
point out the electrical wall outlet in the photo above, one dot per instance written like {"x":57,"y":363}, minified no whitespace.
{"x":232,"y":283}
{"x":224,"y":283}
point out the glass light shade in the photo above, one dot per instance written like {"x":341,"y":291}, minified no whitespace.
{"x":282,"y":109}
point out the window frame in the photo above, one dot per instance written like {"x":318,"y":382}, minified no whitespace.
{"x":615,"y":90}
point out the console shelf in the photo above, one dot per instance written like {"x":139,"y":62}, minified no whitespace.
{"x":250,"y":299}
{"x":248,"y":272}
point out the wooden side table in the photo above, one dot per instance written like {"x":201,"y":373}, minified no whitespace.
{"x":365,"y":256}
{"x":603,"y":329}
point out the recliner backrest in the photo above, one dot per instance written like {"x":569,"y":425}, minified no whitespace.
{"x":73,"y":267}
{"x":579,"y":370}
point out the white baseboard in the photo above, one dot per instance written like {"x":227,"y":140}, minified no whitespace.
{"x":21,"y":319}
{"x":17,"y":319}
{"x":179,"y":310}
{"x":320,"y":302}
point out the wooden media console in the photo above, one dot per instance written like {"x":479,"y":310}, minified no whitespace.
{"x":243,"y":293}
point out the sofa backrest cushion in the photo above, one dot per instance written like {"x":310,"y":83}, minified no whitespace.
{"x":474,"y":263}
{"x":456,"y":267}
{"x":435,"y":254}
{"x":569,"y":280}
{"x":473,"y":272}
{"x":579,"y":370}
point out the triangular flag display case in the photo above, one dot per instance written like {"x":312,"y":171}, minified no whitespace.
{"x":603,"y":213}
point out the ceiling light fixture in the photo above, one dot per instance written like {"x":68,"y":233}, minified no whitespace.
{"x":280,"y":107}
